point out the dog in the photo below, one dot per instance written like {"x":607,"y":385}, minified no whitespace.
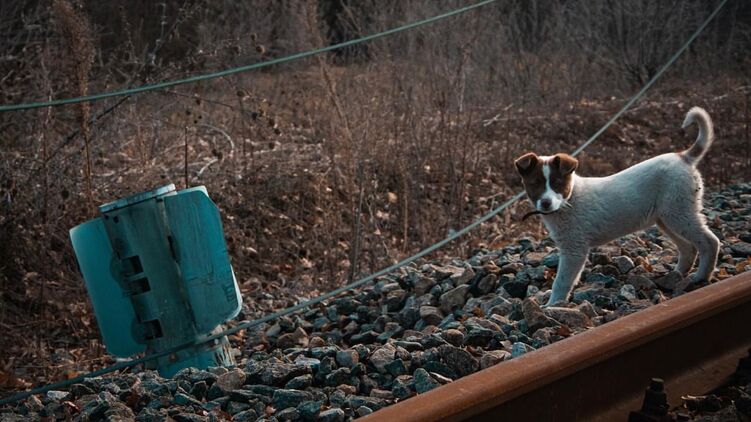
{"x":584,"y":212}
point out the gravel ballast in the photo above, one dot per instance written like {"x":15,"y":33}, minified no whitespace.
{"x":408,"y":333}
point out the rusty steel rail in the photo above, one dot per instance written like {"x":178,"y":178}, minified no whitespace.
{"x":693,"y":342}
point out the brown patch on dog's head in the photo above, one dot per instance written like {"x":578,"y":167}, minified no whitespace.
{"x":562,"y":168}
{"x":548,"y":181}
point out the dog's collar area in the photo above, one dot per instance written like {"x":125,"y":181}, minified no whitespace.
{"x":531,"y":213}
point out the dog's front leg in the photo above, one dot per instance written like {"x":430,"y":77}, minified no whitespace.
{"x":569,"y":269}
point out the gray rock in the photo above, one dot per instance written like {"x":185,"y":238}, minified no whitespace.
{"x":454,"y":298}
{"x":331,"y":415}
{"x":284,"y":398}
{"x":424,"y":382}
{"x":669,"y":280}
{"x":487,"y":284}
{"x":463,"y":276}
{"x":339,"y":376}
{"x":300,"y":383}
{"x":628,"y":292}
{"x":58,"y":395}
{"x":396,"y":367}
{"x":459,"y":360}
{"x":516,"y":289}
{"x":189,"y":417}
{"x":289,"y":414}
{"x":232,"y":380}
{"x":623,"y":263}
{"x":551,"y":260}
{"x":599,"y":258}
{"x":573,"y":318}
{"x":382,"y":356}
{"x":249,"y":415}
{"x":493,"y":357}
{"x":347,"y":358}
{"x":431,"y":315}
{"x":309,"y":409}
{"x":741,"y":249}
{"x":534,"y":316}
{"x":455,"y":337}
{"x":641,"y":283}
{"x":363,"y":411}
{"x":519,"y":348}
{"x":273,"y":373}
{"x":298,"y":338}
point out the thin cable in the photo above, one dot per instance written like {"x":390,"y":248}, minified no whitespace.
{"x":292,"y":57}
{"x":402,"y":263}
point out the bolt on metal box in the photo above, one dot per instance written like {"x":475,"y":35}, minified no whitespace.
{"x":159,"y":276}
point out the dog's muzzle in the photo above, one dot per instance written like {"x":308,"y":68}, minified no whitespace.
{"x":531,"y":213}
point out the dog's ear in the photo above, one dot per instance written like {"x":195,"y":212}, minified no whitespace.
{"x":526,"y":162}
{"x":566,"y":164}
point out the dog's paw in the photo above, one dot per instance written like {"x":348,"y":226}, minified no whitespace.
{"x":554,"y":301}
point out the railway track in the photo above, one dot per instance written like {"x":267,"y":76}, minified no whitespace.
{"x":693,"y":342}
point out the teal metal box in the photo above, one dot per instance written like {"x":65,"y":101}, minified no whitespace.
{"x":158,"y":273}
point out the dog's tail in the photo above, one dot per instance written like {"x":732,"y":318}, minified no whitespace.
{"x":705,"y":138}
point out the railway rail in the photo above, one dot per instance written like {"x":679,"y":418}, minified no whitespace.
{"x":693,"y":342}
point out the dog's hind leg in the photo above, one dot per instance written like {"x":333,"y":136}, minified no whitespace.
{"x":686,"y":250}
{"x":569,"y":269}
{"x":694,"y":230}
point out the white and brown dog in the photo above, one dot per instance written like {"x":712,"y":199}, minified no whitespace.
{"x":583,"y":212}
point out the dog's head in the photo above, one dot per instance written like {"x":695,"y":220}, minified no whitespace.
{"x":548,"y":181}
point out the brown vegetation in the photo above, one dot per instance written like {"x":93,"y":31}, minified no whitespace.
{"x":332,"y":167}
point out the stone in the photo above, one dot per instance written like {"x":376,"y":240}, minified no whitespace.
{"x":298,"y":338}
{"x":339,"y":376}
{"x":519,"y":348}
{"x":599,"y":258}
{"x":534,"y":258}
{"x":284,"y":398}
{"x":331,"y":415}
{"x":189,"y":417}
{"x":454,"y":337}
{"x":423,"y":285}
{"x":602,"y":279}
{"x":628,"y":292}
{"x":459,"y":360}
{"x":273,"y":373}
{"x":534,"y":316}
{"x":424,"y":382}
{"x":58,"y":395}
{"x":363,"y":411}
{"x":571,"y":317}
{"x":232,"y":380}
{"x":641,"y":283}
{"x":487,"y":284}
{"x":347,"y":358}
{"x":493,"y":357}
{"x":431,"y":315}
{"x":396,"y":367}
{"x":479,"y":337}
{"x":516,"y":289}
{"x":531,"y":275}
{"x":669,"y":280}
{"x":551,"y":260}
{"x":300,"y":383}
{"x":623,"y":263}
{"x":288,"y":414}
{"x":382,"y":356}
{"x":741,"y":249}
{"x":454,"y":298}
{"x":309,"y":409}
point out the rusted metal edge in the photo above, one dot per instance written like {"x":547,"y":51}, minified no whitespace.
{"x":692,"y":341}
